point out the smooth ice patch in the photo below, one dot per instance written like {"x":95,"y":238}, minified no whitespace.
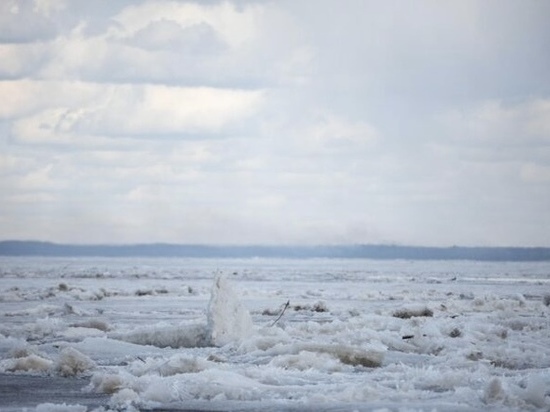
{"x":180,"y":336}
{"x":55,"y":407}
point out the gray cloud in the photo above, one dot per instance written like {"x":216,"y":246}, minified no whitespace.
{"x":23,"y":22}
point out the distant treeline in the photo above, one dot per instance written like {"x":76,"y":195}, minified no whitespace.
{"x":34,"y":248}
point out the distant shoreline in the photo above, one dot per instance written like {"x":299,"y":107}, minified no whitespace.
{"x":50,"y":249}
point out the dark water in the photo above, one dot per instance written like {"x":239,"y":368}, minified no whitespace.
{"x":26,"y":391}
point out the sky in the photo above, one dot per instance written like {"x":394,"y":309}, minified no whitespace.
{"x":276,"y":122}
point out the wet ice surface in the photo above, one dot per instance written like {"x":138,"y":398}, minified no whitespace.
{"x":357,"y":334}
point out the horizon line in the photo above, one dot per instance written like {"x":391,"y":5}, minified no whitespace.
{"x":350,"y":251}
{"x":266,"y":245}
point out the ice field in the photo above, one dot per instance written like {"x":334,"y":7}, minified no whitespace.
{"x":99,"y":334}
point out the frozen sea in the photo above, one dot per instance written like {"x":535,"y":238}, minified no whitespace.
{"x":101,"y":334}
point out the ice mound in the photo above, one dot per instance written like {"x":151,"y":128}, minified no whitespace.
{"x":411,"y":311}
{"x":30,"y":363}
{"x":106,"y":383}
{"x":369,"y":357}
{"x":228,"y":319}
{"x":93,"y":324}
{"x":20,"y":349}
{"x":37,"y":330}
{"x":535,"y":392}
{"x":307,"y":360}
{"x":534,"y":395}
{"x":72,"y":362}
{"x":174,"y":365}
{"x":352,"y":355}
{"x":124,"y":398}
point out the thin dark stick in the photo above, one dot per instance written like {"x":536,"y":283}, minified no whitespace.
{"x":287,"y":304}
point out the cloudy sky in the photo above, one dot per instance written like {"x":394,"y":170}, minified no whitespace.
{"x":276,"y":122}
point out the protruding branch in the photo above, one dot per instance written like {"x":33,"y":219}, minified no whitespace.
{"x":287,"y":304}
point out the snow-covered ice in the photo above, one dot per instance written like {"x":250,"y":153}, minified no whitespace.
{"x":316,"y":334}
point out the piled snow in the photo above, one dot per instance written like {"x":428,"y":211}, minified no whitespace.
{"x":356,"y":334}
{"x":107,"y":382}
{"x":536,"y":392}
{"x":533,"y":396}
{"x":174,"y":365}
{"x":68,"y":362}
{"x":230,"y":328}
{"x":72,"y":362}
{"x":31,"y":363}
{"x":345,"y":355}
{"x":228,"y":319}
{"x":412,"y":311}
{"x":19,"y":348}
{"x":368,"y":355}
{"x":93,"y":324}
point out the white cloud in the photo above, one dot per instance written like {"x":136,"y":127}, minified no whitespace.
{"x":336,"y":131}
{"x":20,"y":60}
{"x":30,"y":96}
{"x":538,"y":118}
{"x":508,"y":124}
{"x":169,"y":35}
{"x":48,"y":7}
{"x":23,"y":21}
{"x":274,"y":121}
{"x":180,"y":43}
{"x":236,"y":26}
{"x":157,"y":110}
{"x":113,"y":110}
{"x":532,"y":172}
